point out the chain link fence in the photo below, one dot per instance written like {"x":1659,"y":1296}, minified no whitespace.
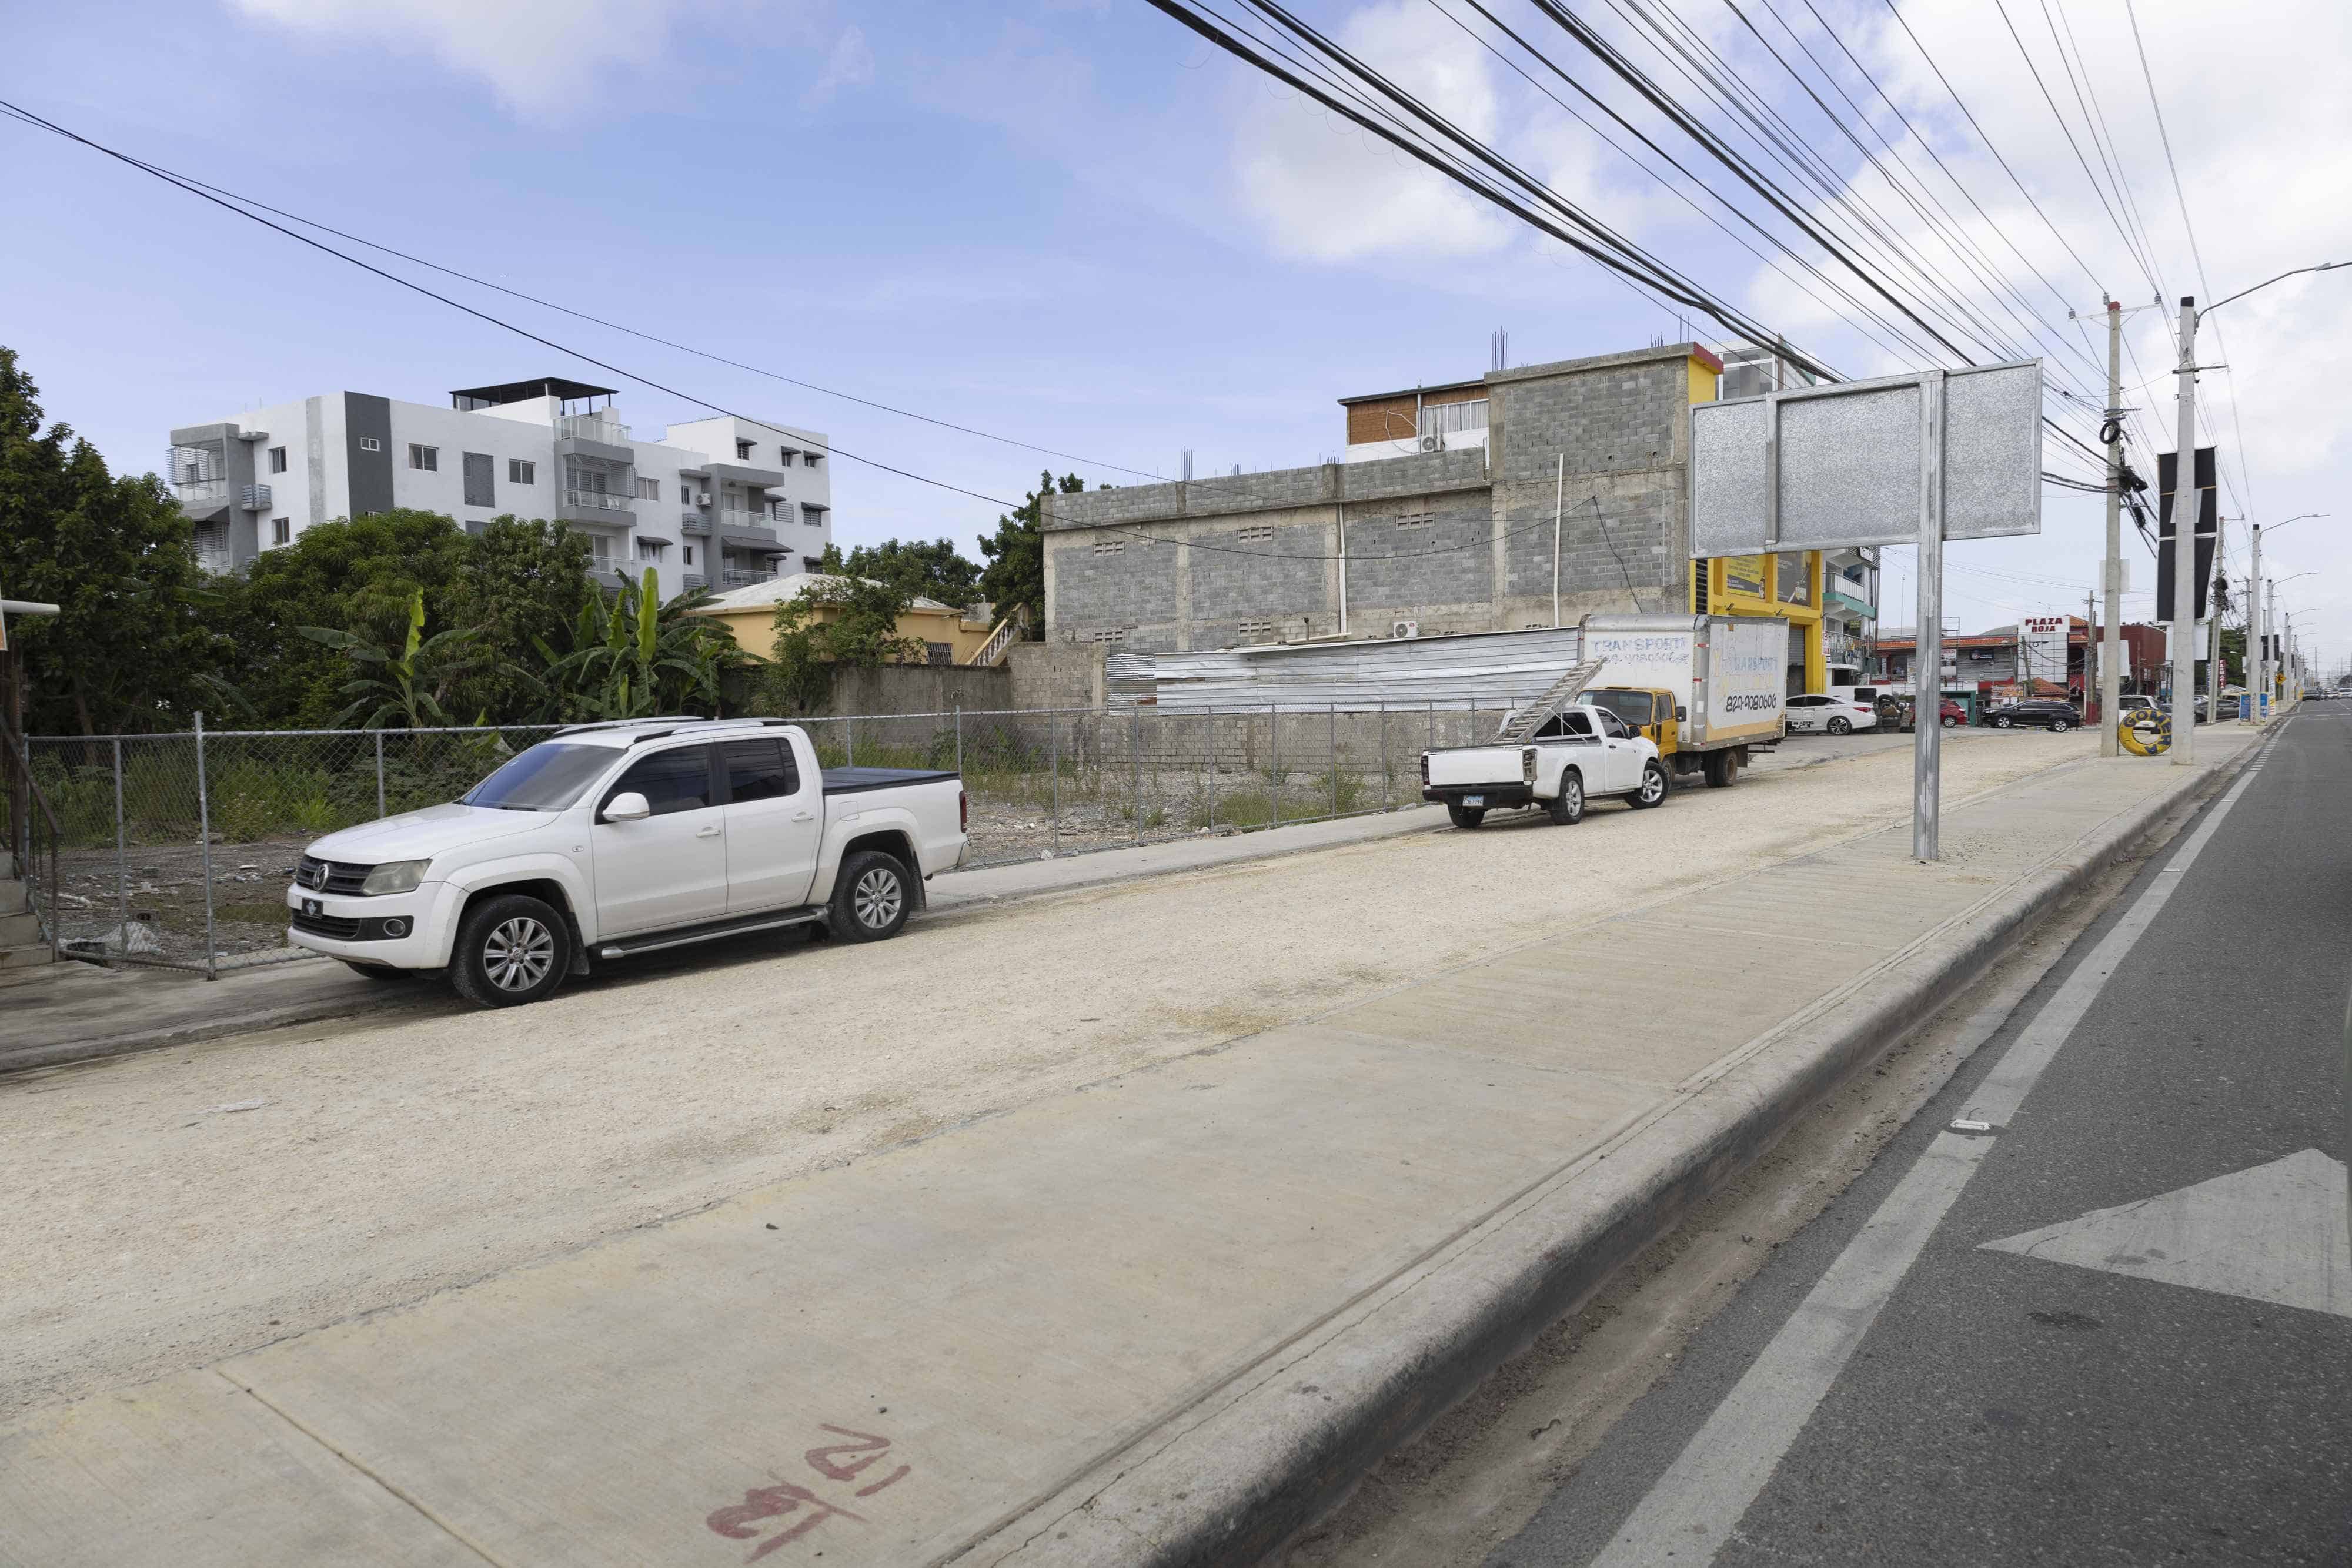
{"x":175,"y":850}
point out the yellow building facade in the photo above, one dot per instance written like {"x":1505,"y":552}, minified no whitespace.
{"x":749,"y":614}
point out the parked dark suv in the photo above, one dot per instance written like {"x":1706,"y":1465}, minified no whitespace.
{"x":2053,"y":714}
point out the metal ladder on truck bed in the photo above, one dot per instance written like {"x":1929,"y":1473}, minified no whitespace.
{"x":1556,"y":696}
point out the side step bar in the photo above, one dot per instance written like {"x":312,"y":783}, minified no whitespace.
{"x":654,"y":941}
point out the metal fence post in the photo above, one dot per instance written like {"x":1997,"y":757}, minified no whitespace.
{"x":204,"y":838}
{"x":379,"y":773}
{"x":959,"y":713}
{"x":1135,"y":768}
{"x":849,"y":728}
{"x":121,"y":858}
{"x":1387,"y":763}
{"x":1335,"y":759}
{"x":1213,"y":768}
{"x":1274,"y":722}
{"x":1054,"y":768}
{"x":1432,"y":726}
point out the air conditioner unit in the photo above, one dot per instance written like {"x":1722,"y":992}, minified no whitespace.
{"x":1404,"y":628}
{"x":703,"y":497}
{"x":1432,"y":443}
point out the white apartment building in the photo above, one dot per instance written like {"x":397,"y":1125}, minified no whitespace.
{"x":719,"y":502}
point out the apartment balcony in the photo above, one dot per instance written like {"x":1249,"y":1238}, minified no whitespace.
{"x":692,"y":581}
{"x":593,"y":436}
{"x":202,"y":497}
{"x":748,"y":530}
{"x":598,"y":508}
{"x":693,"y":524}
{"x":739,"y":577}
{"x":1844,"y":594}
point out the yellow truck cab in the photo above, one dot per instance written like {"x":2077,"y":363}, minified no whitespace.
{"x":1651,"y":712}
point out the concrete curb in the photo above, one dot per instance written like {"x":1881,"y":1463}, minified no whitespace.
{"x":1243,"y":1471}
{"x":65,"y":1053}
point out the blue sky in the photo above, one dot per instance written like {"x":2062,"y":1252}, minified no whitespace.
{"x":1068,"y":222}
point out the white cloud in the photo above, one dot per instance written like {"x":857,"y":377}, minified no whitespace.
{"x":542,"y":57}
{"x":851,"y":64}
{"x":1325,"y":190}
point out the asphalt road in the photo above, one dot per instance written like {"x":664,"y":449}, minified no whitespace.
{"x":2115,"y":1328}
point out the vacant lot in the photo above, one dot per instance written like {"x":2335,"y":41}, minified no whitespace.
{"x":160,"y":1218}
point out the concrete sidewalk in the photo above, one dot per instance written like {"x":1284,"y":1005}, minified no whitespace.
{"x":1165,"y":1319}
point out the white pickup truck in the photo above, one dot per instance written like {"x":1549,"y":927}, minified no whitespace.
{"x":1551,"y":755}
{"x":612,"y":840}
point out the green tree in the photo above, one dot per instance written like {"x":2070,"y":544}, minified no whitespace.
{"x":407,"y":690}
{"x":632,"y":655}
{"x":1014,"y":577}
{"x":834,"y":621}
{"x":525,"y":583}
{"x":128,"y":649}
{"x":358,"y":575}
{"x":933,"y":569}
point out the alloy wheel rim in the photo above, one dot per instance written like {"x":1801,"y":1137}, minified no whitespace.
{"x":876,"y":899}
{"x":1653,"y":784}
{"x":518,"y":954}
{"x":1575,"y":795}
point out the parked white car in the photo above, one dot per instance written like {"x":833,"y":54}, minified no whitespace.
{"x":1824,"y":712}
{"x":613,"y":840}
{"x":1576,"y":755}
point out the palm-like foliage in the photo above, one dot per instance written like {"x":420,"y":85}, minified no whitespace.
{"x":403,"y":690}
{"x":633,"y":656}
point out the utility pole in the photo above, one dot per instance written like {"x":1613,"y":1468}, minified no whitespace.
{"x":2256,"y":654}
{"x":2184,"y":547}
{"x":2111,"y":632}
{"x":2213,"y":660}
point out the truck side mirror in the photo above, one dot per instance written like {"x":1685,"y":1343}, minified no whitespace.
{"x":1682,"y":714}
{"x":628,"y":806}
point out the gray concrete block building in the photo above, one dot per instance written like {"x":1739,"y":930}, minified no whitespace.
{"x":1570,"y":473}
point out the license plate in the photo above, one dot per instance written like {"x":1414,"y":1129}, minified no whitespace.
{"x":311,"y":907}
{"x":1473,"y":800}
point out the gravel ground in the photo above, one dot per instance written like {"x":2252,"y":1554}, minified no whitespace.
{"x":171,"y":1209}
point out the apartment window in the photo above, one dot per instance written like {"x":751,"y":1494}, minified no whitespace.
{"x":810,"y":564}
{"x":370,"y":444}
{"x":481,"y":468}
{"x":808,"y":459}
{"x":939,"y":652}
{"x":789,"y":453}
{"x":427,"y":458}
{"x":278,"y":460}
{"x":812,"y":516}
{"x":521,"y":473}
{"x":648,"y":489}
{"x":281,"y":530}
{"x":651,"y":549}
{"x":689,"y":555}
{"x":742,"y":452}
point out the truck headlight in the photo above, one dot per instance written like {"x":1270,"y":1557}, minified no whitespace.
{"x":395,"y":876}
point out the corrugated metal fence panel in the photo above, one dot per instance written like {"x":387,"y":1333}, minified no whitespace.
{"x":1490,"y":669}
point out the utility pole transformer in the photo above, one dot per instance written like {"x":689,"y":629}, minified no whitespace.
{"x":2111,"y":632}
{"x":2184,"y":547}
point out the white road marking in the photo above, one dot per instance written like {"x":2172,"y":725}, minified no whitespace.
{"x":1693,"y":1508}
{"x":2274,"y":1233}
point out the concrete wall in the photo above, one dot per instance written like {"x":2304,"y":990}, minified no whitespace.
{"x":920,"y":688}
{"x":1056,"y":675}
{"x":1458,"y":541}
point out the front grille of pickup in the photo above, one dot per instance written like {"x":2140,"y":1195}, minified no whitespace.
{"x":331,"y":876}
{"x":334,"y":925}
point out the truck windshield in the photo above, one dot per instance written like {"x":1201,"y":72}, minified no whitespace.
{"x":1633,"y":707}
{"x":547,"y":778}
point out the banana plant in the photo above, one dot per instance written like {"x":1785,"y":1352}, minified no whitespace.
{"x":406,"y":689}
{"x":634,"y":657}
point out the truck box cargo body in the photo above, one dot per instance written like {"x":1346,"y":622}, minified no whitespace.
{"x":1728,"y":673}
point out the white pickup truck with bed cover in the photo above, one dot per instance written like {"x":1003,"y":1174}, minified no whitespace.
{"x":616,"y":839}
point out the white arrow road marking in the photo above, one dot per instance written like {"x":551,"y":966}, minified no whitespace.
{"x":1693,"y":1508}
{"x":2274,"y":1233}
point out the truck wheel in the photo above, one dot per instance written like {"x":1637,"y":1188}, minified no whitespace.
{"x":1722,"y":770}
{"x":1652,"y":792}
{"x":511,"y":950}
{"x":1841,"y":725}
{"x":1466,"y":817}
{"x":1567,"y":807}
{"x":869,"y":898}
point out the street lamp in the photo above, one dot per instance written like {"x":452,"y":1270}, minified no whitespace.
{"x":2258,"y":656}
{"x":2270,"y":590}
{"x":2184,"y":532}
